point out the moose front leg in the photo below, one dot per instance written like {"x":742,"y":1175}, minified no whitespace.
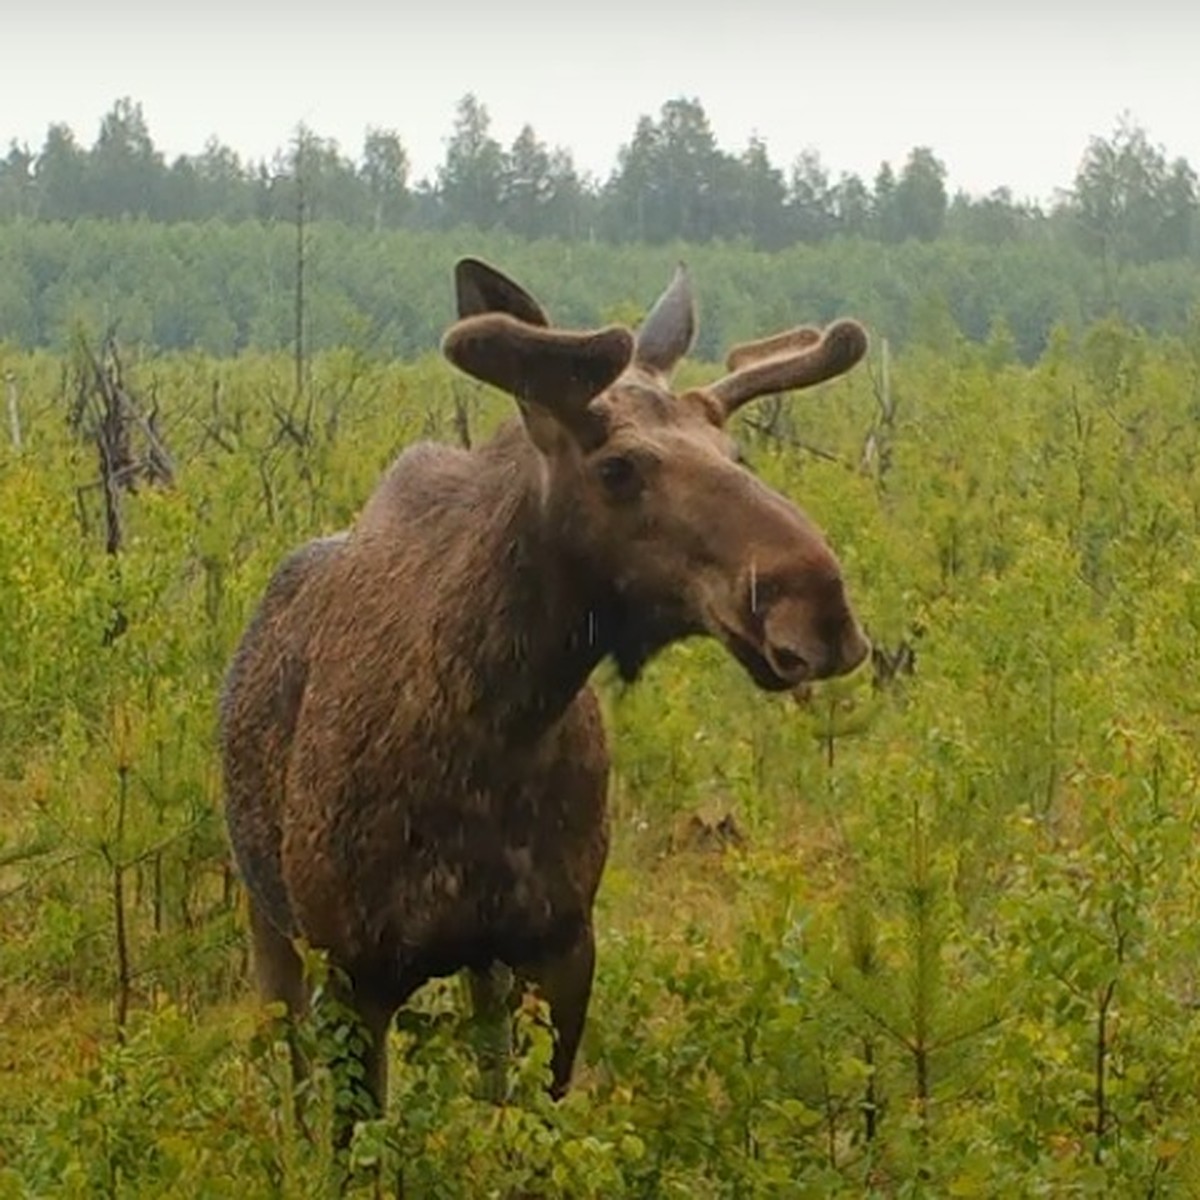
{"x":351,"y":1027}
{"x":565,"y":982}
{"x":280,"y":976}
{"x":377,"y":1021}
{"x":492,"y":998}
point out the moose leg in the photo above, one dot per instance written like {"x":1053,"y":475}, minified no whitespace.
{"x":277,"y":966}
{"x":377,"y":1020}
{"x":565,"y":982}
{"x":280,"y":975}
{"x":358,"y":1062}
{"x":492,"y":1001}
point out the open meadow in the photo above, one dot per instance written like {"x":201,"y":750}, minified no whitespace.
{"x":929,"y":930}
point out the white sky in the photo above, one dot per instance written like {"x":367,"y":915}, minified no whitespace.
{"x":1006,"y":98}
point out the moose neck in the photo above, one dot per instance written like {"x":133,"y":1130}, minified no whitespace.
{"x":543,"y":622}
{"x":470,"y":561}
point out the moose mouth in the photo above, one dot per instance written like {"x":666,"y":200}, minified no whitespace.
{"x":756,"y":663}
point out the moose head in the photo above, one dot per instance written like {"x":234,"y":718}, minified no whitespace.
{"x":646,"y":487}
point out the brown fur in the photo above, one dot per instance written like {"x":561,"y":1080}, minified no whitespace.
{"x":415,"y":766}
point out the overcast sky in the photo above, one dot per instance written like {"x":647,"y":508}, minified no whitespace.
{"x":1006,"y":98}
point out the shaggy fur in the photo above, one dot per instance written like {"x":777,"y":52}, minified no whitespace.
{"x":415,"y":767}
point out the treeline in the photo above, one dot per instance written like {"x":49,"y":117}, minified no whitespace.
{"x":226,"y":287}
{"x":1129,"y":202}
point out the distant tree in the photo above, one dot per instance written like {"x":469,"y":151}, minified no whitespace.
{"x":125,"y":173}
{"x":224,"y":184}
{"x":526,"y":185}
{"x":1128,"y":205}
{"x":471,"y":179}
{"x":1112,"y":197}
{"x":632,"y":197}
{"x":568,"y":209}
{"x":810,"y":199}
{"x":991,"y":220}
{"x":672,"y":179}
{"x":272,"y":184}
{"x":759,"y":198}
{"x":18,"y":191}
{"x":384,"y":173}
{"x":425,"y":208}
{"x":541,"y":193}
{"x":851,"y":203}
{"x":276,"y":196}
{"x":181,"y":198}
{"x":332,"y":187}
{"x":694,"y":167}
{"x":887,"y":225}
{"x":1179,"y":230}
{"x":920,"y":197}
{"x":311,"y":174}
{"x":61,"y":167}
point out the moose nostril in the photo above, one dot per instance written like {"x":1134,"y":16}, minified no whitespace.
{"x":788,"y":663}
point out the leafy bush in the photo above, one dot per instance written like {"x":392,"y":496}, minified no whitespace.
{"x":944,"y":943}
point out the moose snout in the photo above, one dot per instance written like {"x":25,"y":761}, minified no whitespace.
{"x":801,"y":646}
{"x":856,"y":648}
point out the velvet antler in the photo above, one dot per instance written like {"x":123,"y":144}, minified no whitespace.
{"x":770,"y":347}
{"x":800,"y":361}
{"x":552,"y":371}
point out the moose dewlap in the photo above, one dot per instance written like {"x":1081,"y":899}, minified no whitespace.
{"x":415,"y":765}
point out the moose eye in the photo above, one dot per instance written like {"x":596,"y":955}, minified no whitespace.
{"x":619,"y":477}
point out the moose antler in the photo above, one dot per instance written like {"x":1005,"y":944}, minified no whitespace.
{"x":787,"y":362}
{"x":552,"y":370}
{"x":769,"y":347}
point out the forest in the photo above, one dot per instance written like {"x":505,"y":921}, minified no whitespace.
{"x":1129,"y":199}
{"x":204,"y":252}
{"x":929,"y":930}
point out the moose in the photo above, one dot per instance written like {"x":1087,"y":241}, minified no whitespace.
{"x":415,"y":765}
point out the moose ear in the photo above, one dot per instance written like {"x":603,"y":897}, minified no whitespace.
{"x":551,"y":373}
{"x":480,"y":288}
{"x":666,"y":334}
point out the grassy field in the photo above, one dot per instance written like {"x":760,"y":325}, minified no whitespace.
{"x":932,"y":934}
